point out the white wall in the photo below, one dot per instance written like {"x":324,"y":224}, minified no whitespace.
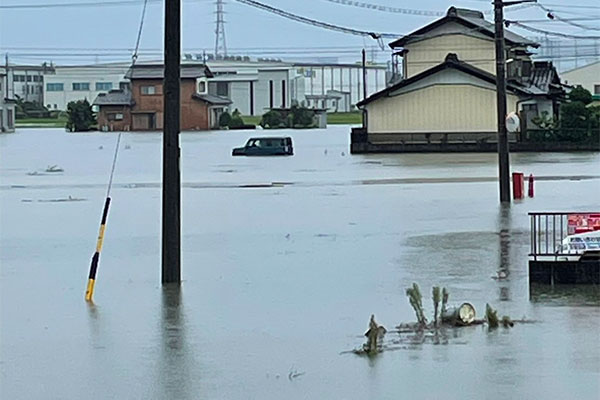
{"x":90,"y":74}
{"x":587,"y":76}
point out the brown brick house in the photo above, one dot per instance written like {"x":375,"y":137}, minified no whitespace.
{"x":139,"y":106}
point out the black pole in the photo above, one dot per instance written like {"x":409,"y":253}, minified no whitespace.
{"x":364,"y":72}
{"x":503,"y":158}
{"x":171,"y":201}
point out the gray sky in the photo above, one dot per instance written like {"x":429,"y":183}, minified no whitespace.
{"x":115,"y":27}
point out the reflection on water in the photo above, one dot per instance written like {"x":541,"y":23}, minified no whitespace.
{"x":565,"y":295}
{"x":175,"y":361}
{"x":504,"y":222}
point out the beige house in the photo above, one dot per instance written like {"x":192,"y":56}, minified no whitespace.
{"x":448,"y":90}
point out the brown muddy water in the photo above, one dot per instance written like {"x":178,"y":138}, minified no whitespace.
{"x":284,"y":261}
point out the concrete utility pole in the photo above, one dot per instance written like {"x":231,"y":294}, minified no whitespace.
{"x":503,"y":156}
{"x":364,"y":73}
{"x":171,"y":195}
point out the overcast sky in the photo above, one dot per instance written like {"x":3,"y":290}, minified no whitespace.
{"x":115,"y":27}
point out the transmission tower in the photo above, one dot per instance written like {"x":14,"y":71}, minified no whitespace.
{"x":220,"y":46}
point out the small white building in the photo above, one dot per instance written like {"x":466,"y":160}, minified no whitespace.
{"x":7,"y":105}
{"x":73,"y":83}
{"x":587,"y":76}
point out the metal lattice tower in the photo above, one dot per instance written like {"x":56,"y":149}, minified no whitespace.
{"x":220,"y":45}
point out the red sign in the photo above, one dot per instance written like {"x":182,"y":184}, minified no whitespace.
{"x":580,"y":223}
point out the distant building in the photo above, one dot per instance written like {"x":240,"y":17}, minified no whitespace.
{"x":587,"y":76}
{"x":448,"y":90}
{"x":256,"y":86}
{"x":7,"y":105}
{"x":26,"y":82}
{"x":73,"y":83}
{"x":140,"y":106}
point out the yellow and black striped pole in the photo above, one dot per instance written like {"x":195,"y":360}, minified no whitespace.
{"x":94,"y":266}
{"x":89,"y":292}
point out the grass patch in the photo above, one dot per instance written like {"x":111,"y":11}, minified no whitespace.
{"x":346,"y":118}
{"x":251,"y":119}
{"x":41,"y":122}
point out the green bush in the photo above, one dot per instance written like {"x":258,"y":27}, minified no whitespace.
{"x":272,"y":119}
{"x":81,"y":118}
{"x":236,"y":119}
{"x":224,"y":119}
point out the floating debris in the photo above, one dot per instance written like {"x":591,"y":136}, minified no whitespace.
{"x":462,"y":315}
{"x":54,"y":168}
{"x":100,"y":147}
{"x":127,"y":147}
{"x":373,"y":335}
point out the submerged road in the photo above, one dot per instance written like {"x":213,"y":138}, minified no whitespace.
{"x":284,"y":261}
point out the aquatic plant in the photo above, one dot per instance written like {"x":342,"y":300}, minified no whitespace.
{"x":491,"y":316}
{"x":436,"y":297}
{"x":415,"y":299}
{"x":444,"y":300}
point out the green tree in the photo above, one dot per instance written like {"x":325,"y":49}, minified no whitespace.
{"x":81,"y":118}
{"x":236,"y":119}
{"x":224,"y":119}
{"x":580,"y":94}
{"x":577,"y":122}
{"x":272,"y":119}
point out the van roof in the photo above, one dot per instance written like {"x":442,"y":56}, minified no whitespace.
{"x":270,"y":137}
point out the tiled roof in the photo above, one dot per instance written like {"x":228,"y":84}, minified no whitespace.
{"x":156,"y":71}
{"x":470,"y":19}
{"x":115,"y":97}
{"x":212,"y":99}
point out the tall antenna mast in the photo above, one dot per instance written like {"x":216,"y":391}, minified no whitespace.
{"x":220,"y":46}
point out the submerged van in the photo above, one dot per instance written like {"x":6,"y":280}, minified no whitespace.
{"x":581,"y":244}
{"x":266,"y":146}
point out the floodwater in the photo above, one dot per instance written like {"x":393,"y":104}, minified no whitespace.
{"x":280,"y":280}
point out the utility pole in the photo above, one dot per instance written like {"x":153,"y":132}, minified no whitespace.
{"x":364,"y":73}
{"x":503,"y":156}
{"x":171,"y":194}
{"x":220,"y":45}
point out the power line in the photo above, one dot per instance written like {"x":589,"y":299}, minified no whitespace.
{"x":551,"y":14}
{"x":397,"y":10}
{"x":109,"y":3}
{"x":313,"y":22}
{"x":545,"y":32}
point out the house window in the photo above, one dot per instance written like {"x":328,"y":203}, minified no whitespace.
{"x":104,"y":85}
{"x":202,"y":87}
{"x":29,"y":78}
{"x":115,"y":116}
{"x":148,"y":90}
{"x":54,"y":87}
{"x":78,"y":86}
{"x":530,"y":107}
{"x":19,"y":78}
{"x":55,"y":106}
{"x":596,"y":89}
{"x":37,"y":78}
{"x":223,"y":89}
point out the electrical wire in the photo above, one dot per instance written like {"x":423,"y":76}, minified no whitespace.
{"x":313,"y":22}
{"x":552,"y":14}
{"x":551,"y":33}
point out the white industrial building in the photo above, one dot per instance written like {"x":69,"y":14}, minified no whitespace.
{"x":73,"y":83}
{"x":253,"y":86}
{"x":26,"y":82}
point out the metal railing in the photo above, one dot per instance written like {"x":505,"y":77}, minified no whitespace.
{"x":548,"y":229}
